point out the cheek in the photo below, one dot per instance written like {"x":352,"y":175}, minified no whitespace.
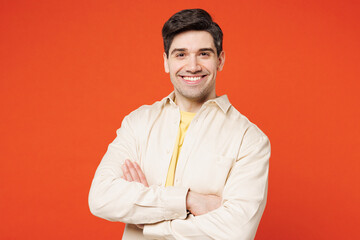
{"x":175,"y":68}
{"x":212,"y":68}
{"x":211,"y":65}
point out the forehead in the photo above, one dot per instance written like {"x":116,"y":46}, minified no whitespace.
{"x":193,"y":40}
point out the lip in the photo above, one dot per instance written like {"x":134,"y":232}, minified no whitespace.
{"x":193,"y":79}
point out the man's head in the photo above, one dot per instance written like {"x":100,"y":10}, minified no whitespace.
{"x":193,"y":55}
{"x":191,"y":19}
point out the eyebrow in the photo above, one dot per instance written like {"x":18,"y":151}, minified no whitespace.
{"x":184,"y":49}
{"x":178,"y":50}
{"x":207,"y":49}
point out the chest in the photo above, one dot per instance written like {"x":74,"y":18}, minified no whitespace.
{"x":207,"y":155}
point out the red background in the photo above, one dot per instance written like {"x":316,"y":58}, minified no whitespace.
{"x":71,"y":70}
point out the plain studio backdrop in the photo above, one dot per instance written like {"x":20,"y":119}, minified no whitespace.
{"x":71,"y":70}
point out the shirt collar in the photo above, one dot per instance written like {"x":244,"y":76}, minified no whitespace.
{"x":222,"y":101}
{"x":169,"y":99}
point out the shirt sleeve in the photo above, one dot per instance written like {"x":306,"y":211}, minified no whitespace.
{"x":244,"y":199}
{"x":116,"y":199}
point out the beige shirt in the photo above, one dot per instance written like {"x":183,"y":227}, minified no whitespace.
{"x":223,"y":153}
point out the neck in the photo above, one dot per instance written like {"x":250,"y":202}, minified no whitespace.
{"x":190,"y":105}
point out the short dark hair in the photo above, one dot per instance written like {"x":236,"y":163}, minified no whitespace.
{"x":191,"y":19}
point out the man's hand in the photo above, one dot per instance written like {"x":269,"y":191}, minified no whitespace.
{"x":199,"y":204}
{"x":132,"y":172}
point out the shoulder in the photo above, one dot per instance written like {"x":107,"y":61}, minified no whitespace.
{"x":145,"y":113}
{"x":251,"y":133}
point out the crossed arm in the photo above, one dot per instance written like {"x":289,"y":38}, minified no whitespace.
{"x":196,"y":203}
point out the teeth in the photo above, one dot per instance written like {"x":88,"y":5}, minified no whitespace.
{"x":192,"y":78}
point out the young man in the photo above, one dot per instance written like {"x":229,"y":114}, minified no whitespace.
{"x":189,"y":166}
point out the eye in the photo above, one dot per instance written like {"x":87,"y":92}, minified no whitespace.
{"x":205,"y":54}
{"x":180,"y":55}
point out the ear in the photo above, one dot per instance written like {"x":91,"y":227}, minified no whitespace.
{"x":221,"y":60}
{"x":166,"y":64}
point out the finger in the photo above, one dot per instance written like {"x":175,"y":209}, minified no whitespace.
{"x":126,"y":173}
{"x":141,"y":175}
{"x":132,"y":170}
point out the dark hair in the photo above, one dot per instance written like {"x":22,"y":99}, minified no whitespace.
{"x":191,"y":19}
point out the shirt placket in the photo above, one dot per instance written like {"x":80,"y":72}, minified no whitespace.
{"x":186,"y":149}
{"x":170,"y":144}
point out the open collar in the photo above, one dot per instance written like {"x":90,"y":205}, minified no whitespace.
{"x":221,"y":101}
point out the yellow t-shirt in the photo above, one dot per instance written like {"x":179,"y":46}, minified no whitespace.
{"x":185,"y":121}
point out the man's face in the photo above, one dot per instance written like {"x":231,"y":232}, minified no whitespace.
{"x":193,"y":64}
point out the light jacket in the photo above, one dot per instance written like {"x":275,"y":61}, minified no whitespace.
{"x":223,"y":154}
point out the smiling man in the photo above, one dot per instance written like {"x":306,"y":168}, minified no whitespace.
{"x":189,"y":166}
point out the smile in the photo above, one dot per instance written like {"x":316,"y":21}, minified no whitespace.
{"x":193,"y":79}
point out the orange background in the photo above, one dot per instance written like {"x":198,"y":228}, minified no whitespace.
{"x":71,"y":70}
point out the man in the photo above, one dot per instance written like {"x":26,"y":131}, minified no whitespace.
{"x":189,"y":166}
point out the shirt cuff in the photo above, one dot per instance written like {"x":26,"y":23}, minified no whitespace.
{"x":175,"y":203}
{"x":157,"y":230}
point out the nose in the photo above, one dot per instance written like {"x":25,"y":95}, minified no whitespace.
{"x":193,"y":65}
